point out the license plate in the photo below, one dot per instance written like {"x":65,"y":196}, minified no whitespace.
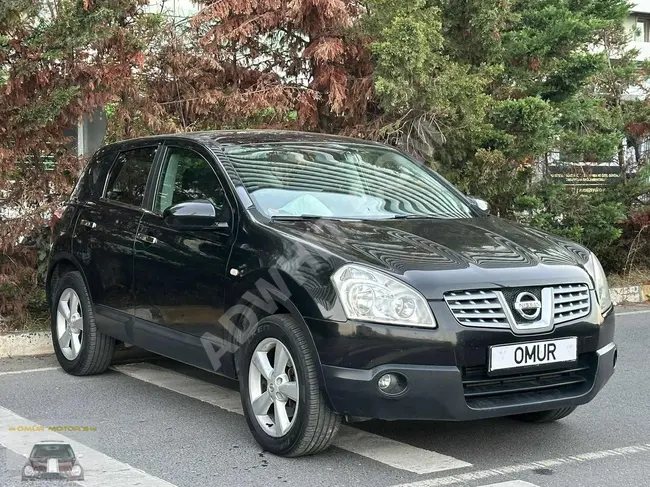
{"x":533,"y":353}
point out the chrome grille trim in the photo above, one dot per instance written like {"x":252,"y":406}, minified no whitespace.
{"x":477,"y":308}
{"x":571,"y":302}
{"x":489,"y":309}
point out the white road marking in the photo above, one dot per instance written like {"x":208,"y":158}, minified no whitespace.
{"x":28,"y":371}
{"x":640,"y":312}
{"x":395,"y":453}
{"x":390,"y":452}
{"x":512,"y":483}
{"x":100,"y":470}
{"x":183,"y":384}
{"x":527,"y":467}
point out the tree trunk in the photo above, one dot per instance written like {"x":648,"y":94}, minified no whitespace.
{"x":621,"y":162}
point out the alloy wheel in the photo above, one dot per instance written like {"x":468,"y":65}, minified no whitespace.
{"x":69,"y":324}
{"x":273,"y":387}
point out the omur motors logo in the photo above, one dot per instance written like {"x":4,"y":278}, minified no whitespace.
{"x":52,"y":460}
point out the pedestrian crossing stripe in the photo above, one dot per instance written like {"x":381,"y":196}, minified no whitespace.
{"x":379,"y":448}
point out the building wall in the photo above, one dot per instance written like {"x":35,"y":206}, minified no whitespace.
{"x":641,"y":6}
{"x":638,"y":37}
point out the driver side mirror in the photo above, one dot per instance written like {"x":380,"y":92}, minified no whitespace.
{"x":479,"y":203}
{"x":196,"y":215}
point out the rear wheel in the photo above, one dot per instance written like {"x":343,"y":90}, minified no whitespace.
{"x":281,"y":397}
{"x":80,"y":347}
{"x":545,"y":416}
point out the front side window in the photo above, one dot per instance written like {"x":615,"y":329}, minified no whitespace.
{"x":187,"y":176}
{"x":351,"y":181}
{"x":128,"y":178}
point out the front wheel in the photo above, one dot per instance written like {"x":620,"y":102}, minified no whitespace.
{"x":281,"y":397}
{"x":545,"y":416}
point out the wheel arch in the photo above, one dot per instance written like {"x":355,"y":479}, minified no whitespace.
{"x":288,"y":297}
{"x":61,"y":263}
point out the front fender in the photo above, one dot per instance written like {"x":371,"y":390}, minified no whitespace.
{"x":264,"y":293}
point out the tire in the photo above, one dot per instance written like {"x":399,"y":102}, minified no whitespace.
{"x":313,"y":425}
{"x":95,"y":352}
{"x":545,"y":416}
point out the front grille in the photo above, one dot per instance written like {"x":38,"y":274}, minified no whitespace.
{"x":485,"y":308}
{"x":477,"y":308}
{"x":571,"y":302}
{"x":482,"y":390}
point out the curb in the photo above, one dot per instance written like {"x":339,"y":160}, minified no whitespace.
{"x":26,"y":344}
{"x":630,"y":294}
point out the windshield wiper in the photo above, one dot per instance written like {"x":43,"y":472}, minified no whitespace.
{"x":412,"y":217}
{"x":291,"y":218}
{"x":307,"y":217}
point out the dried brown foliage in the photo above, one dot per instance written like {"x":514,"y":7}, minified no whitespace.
{"x":52,"y":81}
{"x":280,"y":56}
{"x":61,"y":60}
{"x":238,"y":63}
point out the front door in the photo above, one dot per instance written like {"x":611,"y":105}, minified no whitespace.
{"x":180,"y":275}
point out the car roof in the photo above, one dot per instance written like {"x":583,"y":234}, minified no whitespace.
{"x":250,"y":137}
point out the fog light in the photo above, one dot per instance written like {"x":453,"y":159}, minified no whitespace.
{"x":386,"y":382}
{"x":392,"y":384}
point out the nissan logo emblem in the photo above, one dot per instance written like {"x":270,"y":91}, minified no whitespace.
{"x":528,"y":306}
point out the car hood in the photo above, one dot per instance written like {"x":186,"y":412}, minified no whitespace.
{"x":440,"y":255}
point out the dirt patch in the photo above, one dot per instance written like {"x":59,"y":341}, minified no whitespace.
{"x":26,"y":322}
{"x":633,"y":278}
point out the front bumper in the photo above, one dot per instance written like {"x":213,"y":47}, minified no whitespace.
{"x":43,"y":476}
{"x":438,"y":392}
{"x":463,"y":390}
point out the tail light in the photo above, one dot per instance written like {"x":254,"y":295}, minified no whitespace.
{"x":56,"y":216}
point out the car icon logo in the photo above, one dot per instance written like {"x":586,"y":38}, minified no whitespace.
{"x":528,"y":306}
{"x":52,"y":460}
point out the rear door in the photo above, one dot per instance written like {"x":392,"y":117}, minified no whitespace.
{"x":105,"y":232}
{"x":181,"y":276}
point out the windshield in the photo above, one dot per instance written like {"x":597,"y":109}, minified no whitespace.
{"x":352,"y":181}
{"x":62,"y":452}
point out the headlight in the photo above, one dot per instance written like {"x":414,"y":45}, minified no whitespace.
{"x":28,"y":471}
{"x":371,"y":295}
{"x":597,"y":273}
{"x":76,"y":471}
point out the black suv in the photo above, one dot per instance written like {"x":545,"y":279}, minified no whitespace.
{"x":333,"y":276}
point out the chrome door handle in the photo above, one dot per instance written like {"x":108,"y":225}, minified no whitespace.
{"x":146,"y":238}
{"x":87,"y":223}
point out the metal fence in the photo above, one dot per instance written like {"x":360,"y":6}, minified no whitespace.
{"x":594,"y":176}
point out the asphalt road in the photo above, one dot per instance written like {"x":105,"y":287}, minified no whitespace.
{"x":159,"y":423}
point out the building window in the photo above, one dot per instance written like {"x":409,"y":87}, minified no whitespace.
{"x":643,"y":29}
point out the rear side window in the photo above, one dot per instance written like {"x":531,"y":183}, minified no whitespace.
{"x":128,"y":179}
{"x":90,"y":184}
